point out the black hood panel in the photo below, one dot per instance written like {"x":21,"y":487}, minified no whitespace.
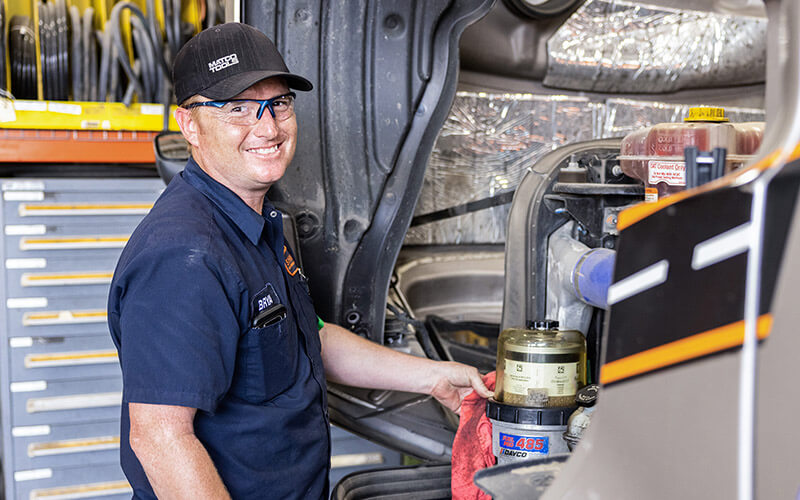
{"x":385,"y":75}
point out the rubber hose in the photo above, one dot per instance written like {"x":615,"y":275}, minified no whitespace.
{"x":43,"y":48}
{"x":176,"y":25}
{"x":52,"y":52}
{"x":55,"y":18}
{"x":141,"y":47}
{"x":3,"y":81}
{"x":86,"y":35}
{"x":94,"y":64}
{"x":23,"y":57}
{"x":133,"y":79}
{"x":128,"y":97}
{"x":57,"y":44}
{"x":169,"y":29}
{"x":27,"y":50}
{"x":105,"y":63}
{"x":76,"y":54}
{"x":152,"y":22}
{"x":211,"y":13}
{"x":61,"y":7}
{"x":155,"y":35}
{"x":114,"y":73}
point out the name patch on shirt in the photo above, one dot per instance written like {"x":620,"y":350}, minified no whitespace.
{"x":266,"y":308}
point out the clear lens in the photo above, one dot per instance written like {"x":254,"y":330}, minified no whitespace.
{"x":245,"y":111}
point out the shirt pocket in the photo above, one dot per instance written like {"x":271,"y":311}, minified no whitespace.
{"x":267,"y":362}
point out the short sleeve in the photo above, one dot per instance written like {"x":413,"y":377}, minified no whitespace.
{"x":178,"y":327}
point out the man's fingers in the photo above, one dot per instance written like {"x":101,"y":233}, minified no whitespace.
{"x":479,"y":386}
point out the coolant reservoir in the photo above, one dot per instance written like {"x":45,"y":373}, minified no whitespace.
{"x":655,"y":155}
{"x":540,"y":366}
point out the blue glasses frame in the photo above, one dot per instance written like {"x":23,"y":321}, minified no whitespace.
{"x":262,"y":104}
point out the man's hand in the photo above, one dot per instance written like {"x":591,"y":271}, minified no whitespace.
{"x":454,"y":381}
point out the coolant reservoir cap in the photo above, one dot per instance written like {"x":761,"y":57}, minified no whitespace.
{"x":523,"y":415}
{"x":547,"y":324}
{"x":706,"y":114}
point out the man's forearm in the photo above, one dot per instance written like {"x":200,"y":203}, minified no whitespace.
{"x":352,"y":360}
{"x":175,"y":461}
{"x":181,"y":468}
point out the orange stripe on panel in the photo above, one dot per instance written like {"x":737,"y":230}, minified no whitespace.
{"x":691,"y":347}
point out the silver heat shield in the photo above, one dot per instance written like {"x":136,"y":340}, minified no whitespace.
{"x":489,"y":142}
{"x":625,"y":47}
{"x":623,"y":116}
{"x":484,"y":148}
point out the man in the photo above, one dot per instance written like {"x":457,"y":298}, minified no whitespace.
{"x":222,"y":354}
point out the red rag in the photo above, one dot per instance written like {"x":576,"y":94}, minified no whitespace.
{"x":472,"y":446}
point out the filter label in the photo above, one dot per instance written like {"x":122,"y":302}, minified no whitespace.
{"x":520,"y":446}
{"x":560,"y":379}
{"x":672,"y":173}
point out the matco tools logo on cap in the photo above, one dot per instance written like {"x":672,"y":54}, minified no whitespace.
{"x":223,"y":62}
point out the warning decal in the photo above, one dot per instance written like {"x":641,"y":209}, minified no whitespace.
{"x":669,"y":172}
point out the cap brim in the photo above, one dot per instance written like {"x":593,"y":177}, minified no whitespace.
{"x":236,"y":84}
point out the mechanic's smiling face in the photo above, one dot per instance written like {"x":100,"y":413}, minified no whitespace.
{"x":245,"y":159}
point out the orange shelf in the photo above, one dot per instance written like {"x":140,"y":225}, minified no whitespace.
{"x":76,"y":146}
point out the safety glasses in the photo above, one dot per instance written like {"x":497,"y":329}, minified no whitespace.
{"x":249,"y":111}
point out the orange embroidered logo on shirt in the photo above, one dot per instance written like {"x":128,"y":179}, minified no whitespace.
{"x":289,"y":263}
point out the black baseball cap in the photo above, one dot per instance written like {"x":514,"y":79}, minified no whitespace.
{"x":222,"y":61}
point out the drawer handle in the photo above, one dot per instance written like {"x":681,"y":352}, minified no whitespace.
{"x":73,"y":446}
{"x":91,"y":490}
{"x":70,"y":358}
{"x":73,"y":402}
{"x":64,"y":317}
{"x":72,"y":243}
{"x":59,"y":279}
{"x":34,"y":209}
{"x":354,"y":459}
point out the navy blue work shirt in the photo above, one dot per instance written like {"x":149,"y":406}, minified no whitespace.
{"x":196,"y":273}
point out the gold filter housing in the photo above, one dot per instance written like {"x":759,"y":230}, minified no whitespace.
{"x":540,"y":366}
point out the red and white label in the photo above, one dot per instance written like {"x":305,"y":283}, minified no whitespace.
{"x":672,"y":173}
{"x":650,"y":195}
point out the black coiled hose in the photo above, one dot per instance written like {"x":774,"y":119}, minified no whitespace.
{"x":3,"y":83}
{"x":21,"y":44}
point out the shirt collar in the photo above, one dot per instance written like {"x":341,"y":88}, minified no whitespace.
{"x":250,"y":222}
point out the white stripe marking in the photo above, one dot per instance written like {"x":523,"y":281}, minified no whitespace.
{"x":20,"y":341}
{"x":30,"y":430}
{"x":26,"y":302}
{"x":26,"y":263}
{"x":720,"y":247}
{"x":32,"y":386}
{"x":30,"y":475}
{"x":23,"y":196}
{"x":25,"y":229}
{"x":638,"y":282}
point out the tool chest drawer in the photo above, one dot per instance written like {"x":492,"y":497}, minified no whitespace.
{"x":60,"y":382}
{"x":60,"y":358}
{"x":67,"y":242}
{"x":106,"y":482}
{"x":60,"y":316}
{"x":69,"y":401}
{"x":37,"y":446}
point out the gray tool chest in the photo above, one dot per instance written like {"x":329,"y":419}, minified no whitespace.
{"x":60,"y":382}
{"x":60,"y":377}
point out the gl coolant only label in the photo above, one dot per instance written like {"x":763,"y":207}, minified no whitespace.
{"x":560,"y":379}
{"x":672,"y":173}
{"x":518,"y":445}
